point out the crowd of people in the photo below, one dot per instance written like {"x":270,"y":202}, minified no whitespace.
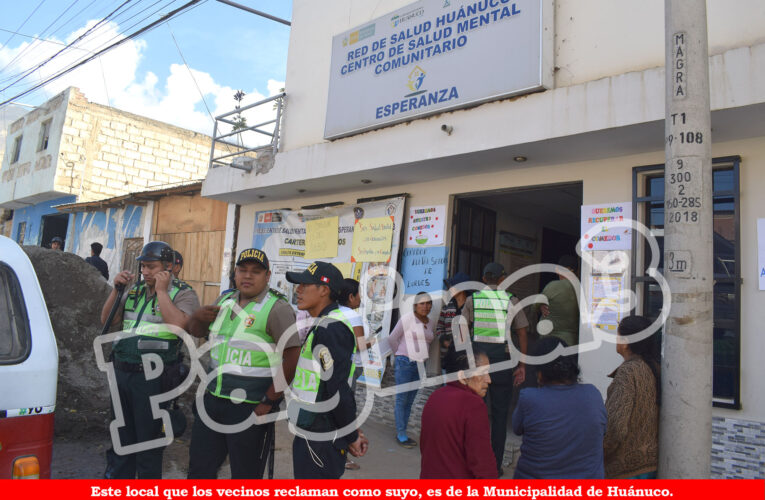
{"x":253,"y":332}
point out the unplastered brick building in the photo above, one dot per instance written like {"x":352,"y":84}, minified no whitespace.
{"x":71,"y":150}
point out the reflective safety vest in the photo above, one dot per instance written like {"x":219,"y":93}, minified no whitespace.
{"x":490,"y":315}
{"x":243,"y":354}
{"x":143,"y":317}
{"x":305,"y":385}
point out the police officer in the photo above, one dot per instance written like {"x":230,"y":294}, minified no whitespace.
{"x":244,"y":327}
{"x":150,"y":309}
{"x":322,"y":439}
{"x":486,"y":312}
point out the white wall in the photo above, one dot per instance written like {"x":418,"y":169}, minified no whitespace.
{"x":604,"y":181}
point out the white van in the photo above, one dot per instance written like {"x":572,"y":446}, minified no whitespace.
{"x":28,"y":369}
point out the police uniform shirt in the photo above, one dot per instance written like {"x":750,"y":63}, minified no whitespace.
{"x":338,"y":343}
{"x":186,"y":299}
{"x":280,"y":319}
{"x":518,"y":322}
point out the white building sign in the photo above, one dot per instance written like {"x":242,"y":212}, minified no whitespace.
{"x":435,"y":55}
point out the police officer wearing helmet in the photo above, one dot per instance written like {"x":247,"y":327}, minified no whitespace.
{"x":322,"y":438}
{"x":244,"y":327}
{"x":152,"y":308}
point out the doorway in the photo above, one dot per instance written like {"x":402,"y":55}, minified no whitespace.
{"x":52,"y":226}
{"x":516,"y":227}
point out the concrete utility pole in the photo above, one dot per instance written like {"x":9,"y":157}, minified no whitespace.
{"x":685,"y":433}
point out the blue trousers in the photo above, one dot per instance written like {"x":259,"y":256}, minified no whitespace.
{"x":405,"y":371}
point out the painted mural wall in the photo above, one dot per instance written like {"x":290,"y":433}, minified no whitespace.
{"x":30,"y":219}
{"x":109,"y":227}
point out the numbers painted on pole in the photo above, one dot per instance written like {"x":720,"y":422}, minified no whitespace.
{"x":683,"y":201}
{"x":687,"y":138}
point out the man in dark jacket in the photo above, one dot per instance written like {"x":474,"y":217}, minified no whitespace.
{"x":95,"y":259}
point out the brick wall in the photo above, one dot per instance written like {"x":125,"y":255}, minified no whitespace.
{"x":106,"y":152}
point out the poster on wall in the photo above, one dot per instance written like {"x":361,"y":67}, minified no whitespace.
{"x":426,"y":226}
{"x":597,"y":216}
{"x":607,"y":301}
{"x":282,"y":235}
{"x":761,"y":252}
{"x":423,"y":269}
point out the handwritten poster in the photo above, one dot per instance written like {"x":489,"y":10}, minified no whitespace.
{"x":607,"y":238}
{"x":321,"y":238}
{"x":423,"y":269}
{"x":426,"y":226}
{"x":372,"y":239}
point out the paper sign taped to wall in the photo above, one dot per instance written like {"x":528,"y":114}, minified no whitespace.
{"x":372,"y":239}
{"x":321,"y":238}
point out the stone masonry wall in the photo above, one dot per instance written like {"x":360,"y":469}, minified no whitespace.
{"x":106,"y":152}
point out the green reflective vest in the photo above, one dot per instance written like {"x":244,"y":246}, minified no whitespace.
{"x":243,"y":354}
{"x":490,"y":315}
{"x":305,"y":385}
{"x":143,"y":317}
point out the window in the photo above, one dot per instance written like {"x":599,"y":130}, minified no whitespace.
{"x":15,"y":334}
{"x":16,"y":149}
{"x":42,"y":144}
{"x":648,"y":207}
{"x":21,"y":232}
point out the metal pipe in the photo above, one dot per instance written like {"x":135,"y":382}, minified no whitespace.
{"x":256,"y":12}
{"x":239,"y":153}
{"x":239,"y":110}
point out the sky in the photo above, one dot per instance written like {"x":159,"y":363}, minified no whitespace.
{"x":226,"y":49}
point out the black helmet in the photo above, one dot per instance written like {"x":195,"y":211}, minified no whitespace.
{"x":156,"y":250}
{"x":57,"y":239}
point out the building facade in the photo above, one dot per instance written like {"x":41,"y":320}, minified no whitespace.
{"x":70,"y":150}
{"x":513,"y":166}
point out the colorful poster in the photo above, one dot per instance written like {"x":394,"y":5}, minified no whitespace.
{"x":607,"y":301}
{"x":598,"y":232}
{"x":426,"y":226}
{"x":321,"y":238}
{"x":761,"y":252}
{"x":423,"y":269}
{"x":281,"y":234}
{"x":372,"y":239}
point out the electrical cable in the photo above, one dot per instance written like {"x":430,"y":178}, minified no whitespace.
{"x":32,"y":70}
{"x":25,"y":22}
{"x":141,"y":31}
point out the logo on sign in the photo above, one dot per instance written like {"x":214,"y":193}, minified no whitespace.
{"x":416,"y":76}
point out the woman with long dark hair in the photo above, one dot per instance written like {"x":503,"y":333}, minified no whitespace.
{"x":631,"y":444}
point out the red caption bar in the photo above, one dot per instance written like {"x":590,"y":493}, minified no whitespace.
{"x":386,"y":489}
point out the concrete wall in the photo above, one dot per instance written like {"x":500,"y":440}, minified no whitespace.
{"x":109,"y":227}
{"x":593,"y":39}
{"x":30,"y":179}
{"x":32,"y":216}
{"x":604,"y":181}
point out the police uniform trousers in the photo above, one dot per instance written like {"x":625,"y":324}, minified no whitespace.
{"x":247,"y":450}
{"x":140,"y":425}
{"x":316,"y":459}
{"x":499,"y":397}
